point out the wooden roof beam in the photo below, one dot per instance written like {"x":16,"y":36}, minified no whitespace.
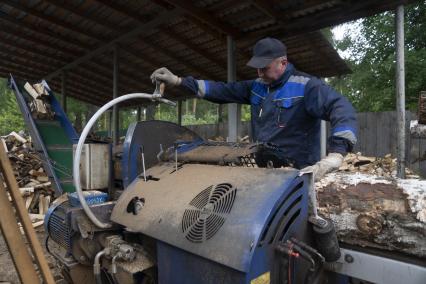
{"x":350,"y":11}
{"x":52,"y":20}
{"x":76,"y":11}
{"x":95,"y":70}
{"x":52,"y":57}
{"x":206,"y":17}
{"x":15,"y":66}
{"x":43,"y":31}
{"x":201,"y":18}
{"x":138,"y":30}
{"x":29,"y":77}
{"x":136,"y":17}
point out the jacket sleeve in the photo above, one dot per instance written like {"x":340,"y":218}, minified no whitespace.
{"x":219,"y":92}
{"x":323,"y":102}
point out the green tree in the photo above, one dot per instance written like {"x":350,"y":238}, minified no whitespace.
{"x":371,"y":47}
{"x":10,"y":115}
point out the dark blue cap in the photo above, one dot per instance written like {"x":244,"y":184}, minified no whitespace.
{"x":265,"y":51}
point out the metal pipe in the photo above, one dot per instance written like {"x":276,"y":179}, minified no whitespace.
{"x":233,"y":118}
{"x":114,"y":265}
{"x":400,"y":89}
{"x":323,"y":138}
{"x":115,"y":137}
{"x":85,"y":132}
{"x":143,"y":163}
{"x":97,"y":265}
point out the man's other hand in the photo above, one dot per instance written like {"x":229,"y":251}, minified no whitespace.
{"x":330,"y":163}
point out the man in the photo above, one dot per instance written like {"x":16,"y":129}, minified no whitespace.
{"x":286,"y":110}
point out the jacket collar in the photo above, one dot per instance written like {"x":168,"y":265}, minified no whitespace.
{"x":284,"y":77}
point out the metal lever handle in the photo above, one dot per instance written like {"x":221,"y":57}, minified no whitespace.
{"x":159,"y":88}
{"x":159,"y":92}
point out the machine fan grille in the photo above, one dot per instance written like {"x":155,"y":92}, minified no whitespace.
{"x":207,"y":212}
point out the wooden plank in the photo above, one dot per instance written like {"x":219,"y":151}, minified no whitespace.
{"x":382,"y":133}
{"x":15,"y":243}
{"x":413,"y":158}
{"x":370,"y":134}
{"x":363,"y":135}
{"x":409,"y":116}
{"x":23,"y":216}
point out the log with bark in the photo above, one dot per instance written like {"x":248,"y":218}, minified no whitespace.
{"x":375,"y":211}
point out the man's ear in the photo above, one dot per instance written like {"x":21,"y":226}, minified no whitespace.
{"x":284,"y":62}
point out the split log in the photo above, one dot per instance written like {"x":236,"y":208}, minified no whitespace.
{"x":377,"y":212}
{"x":417,"y":130}
{"x":4,"y":144}
{"x":40,"y":89}
{"x":30,"y":90}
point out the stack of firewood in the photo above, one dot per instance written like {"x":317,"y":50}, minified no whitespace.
{"x":385,"y":166}
{"x":39,"y":106}
{"x":33,"y":182}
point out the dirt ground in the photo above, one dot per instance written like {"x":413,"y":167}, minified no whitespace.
{"x":8,"y":272}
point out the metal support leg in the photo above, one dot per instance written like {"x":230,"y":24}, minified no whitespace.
{"x":115,"y":136}
{"x":179,"y":112}
{"x":377,"y":269}
{"x":139,"y":113}
{"x":400,"y":89}
{"x":110,"y":123}
{"x":233,"y":117}
{"x":150,"y":111}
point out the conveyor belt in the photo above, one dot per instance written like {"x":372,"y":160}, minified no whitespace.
{"x":52,"y":139}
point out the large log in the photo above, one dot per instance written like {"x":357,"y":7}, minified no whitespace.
{"x":378,"y":212}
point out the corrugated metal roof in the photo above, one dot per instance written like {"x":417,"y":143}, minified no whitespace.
{"x":39,"y":37}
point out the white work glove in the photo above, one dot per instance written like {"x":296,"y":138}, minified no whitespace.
{"x":331,"y":162}
{"x":164,"y":75}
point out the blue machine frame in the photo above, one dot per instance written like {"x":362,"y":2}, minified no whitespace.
{"x":267,"y":211}
{"x":141,"y":134}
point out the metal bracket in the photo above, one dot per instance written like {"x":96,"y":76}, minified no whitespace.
{"x":377,"y":269}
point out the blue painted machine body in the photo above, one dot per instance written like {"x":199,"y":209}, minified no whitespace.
{"x":269,"y":206}
{"x":207,"y":223}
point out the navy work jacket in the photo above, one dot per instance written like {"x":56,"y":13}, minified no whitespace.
{"x":287,"y":113}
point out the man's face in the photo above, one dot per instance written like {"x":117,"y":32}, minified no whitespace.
{"x":273,"y":71}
